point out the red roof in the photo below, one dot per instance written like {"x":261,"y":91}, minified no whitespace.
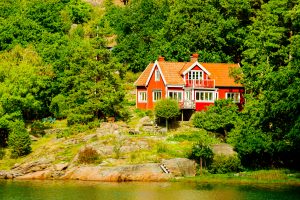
{"x":173,"y":71}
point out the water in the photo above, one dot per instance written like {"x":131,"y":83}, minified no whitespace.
{"x":79,"y":190}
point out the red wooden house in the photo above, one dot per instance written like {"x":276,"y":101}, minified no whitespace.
{"x":195,"y":85}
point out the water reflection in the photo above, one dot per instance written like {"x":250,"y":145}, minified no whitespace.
{"x":79,"y":190}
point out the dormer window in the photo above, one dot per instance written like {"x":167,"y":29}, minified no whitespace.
{"x":195,"y":75}
{"x":157,"y":75}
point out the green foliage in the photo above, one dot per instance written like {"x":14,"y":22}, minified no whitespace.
{"x":18,"y":140}
{"x":222,"y":164}
{"x":79,"y":119}
{"x":195,"y":136}
{"x":88,"y":155}
{"x":38,"y":128}
{"x":220,"y":117}
{"x":200,"y":150}
{"x":59,"y":106}
{"x":76,"y":128}
{"x":176,"y":29}
{"x":79,"y":11}
{"x":166,"y":108}
{"x":267,"y":134}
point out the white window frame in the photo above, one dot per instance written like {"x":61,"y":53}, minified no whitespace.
{"x":205,"y":94}
{"x":230,"y":95}
{"x":188,"y":95}
{"x":177,"y":94}
{"x":142,"y":96}
{"x":157,"y":75}
{"x":195,"y":75}
{"x":154,"y":95}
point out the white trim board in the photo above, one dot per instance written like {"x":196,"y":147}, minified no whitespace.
{"x":152,"y":70}
{"x":196,"y":64}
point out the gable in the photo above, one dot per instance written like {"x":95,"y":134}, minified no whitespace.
{"x":196,"y":64}
{"x":156,"y":67}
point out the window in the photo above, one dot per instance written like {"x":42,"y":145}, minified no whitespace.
{"x":205,"y":96}
{"x":195,"y":75}
{"x":235,"y":96}
{"x":142,"y":96}
{"x":156,"y":95}
{"x":157,"y":75}
{"x":176,"y":95}
{"x":188,"y":95}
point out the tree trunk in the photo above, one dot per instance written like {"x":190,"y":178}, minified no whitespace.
{"x":201,"y":166}
{"x":167,"y":124}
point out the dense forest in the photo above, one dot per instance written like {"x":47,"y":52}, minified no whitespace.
{"x":54,"y":61}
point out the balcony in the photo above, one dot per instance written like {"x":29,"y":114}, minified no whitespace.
{"x":188,"y":104}
{"x":208,"y":83}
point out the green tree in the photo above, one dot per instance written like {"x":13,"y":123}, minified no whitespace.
{"x":219,"y":117}
{"x":167,"y":109}
{"x":268,"y":133}
{"x":79,"y":11}
{"x":19,"y":141}
{"x":202,"y":151}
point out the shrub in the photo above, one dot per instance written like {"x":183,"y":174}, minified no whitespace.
{"x":117,"y":147}
{"x":79,"y":119}
{"x":19,"y":140}
{"x":38,"y":128}
{"x":202,"y":151}
{"x":220,"y":117}
{"x":2,"y":153}
{"x":88,"y":155}
{"x":224,"y":164}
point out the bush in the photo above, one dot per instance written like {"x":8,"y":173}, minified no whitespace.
{"x":79,"y":119}
{"x":167,"y":109}
{"x":202,"y":150}
{"x":88,"y":155}
{"x":224,"y":164}
{"x":19,"y":140}
{"x":2,"y":153}
{"x":38,"y":128}
{"x":219,"y":118}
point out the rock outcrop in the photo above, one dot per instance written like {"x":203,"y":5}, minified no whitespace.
{"x":180,"y":166}
{"x":141,"y":172}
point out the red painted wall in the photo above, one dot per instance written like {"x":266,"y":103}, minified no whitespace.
{"x":153,"y":85}
{"x":139,"y":104}
{"x":202,"y":105}
{"x":223,"y":90}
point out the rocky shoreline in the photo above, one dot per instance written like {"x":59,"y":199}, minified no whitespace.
{"x":43,"y":170}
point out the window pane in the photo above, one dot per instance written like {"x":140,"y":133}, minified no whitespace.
{"x":197,"y":96}
{"x":180,"y":96}
{"x":202,"y":96}
{"x":210,"y":96}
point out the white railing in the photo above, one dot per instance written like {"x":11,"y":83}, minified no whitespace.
{"x":208,"y":83}
{"x":187,"y":104}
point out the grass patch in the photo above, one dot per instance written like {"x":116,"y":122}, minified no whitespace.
{"x":250,"y":177}
{"x":194,"y":136}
